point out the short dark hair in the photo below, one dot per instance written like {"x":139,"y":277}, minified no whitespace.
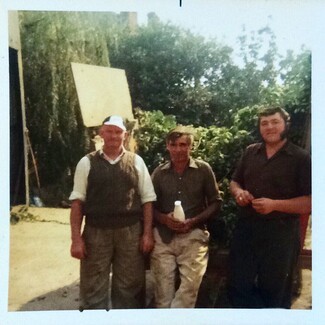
{"x":273,"y":110}
{"x":178,"y":132}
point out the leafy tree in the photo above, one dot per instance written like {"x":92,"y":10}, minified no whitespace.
{"x":219,"y":146}
{"x":174,"y":71}
{"x":167,"y":69}
{"x":150,"y":136}
{"x":252,"y":81}
{"x":173,"y":75}
{"x":293,"y":92}
{"x":50,"y":42}
{"x":296,"y":75}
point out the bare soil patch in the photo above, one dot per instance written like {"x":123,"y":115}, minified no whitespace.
{"x":42,"y":274}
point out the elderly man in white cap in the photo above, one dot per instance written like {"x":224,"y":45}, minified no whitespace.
{"x":113,"y":190}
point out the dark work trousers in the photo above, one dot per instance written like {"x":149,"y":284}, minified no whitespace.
{"x":262,"y":258}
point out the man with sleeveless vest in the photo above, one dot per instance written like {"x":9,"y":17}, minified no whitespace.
{"x":181,"y":247}
{"x":272,"y":187}
{"x":113,"y":190}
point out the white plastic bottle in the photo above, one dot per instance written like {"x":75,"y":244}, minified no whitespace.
{"x":178,"y":211}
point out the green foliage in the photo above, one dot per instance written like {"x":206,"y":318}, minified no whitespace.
{"x":219,"y":146}
{"x":173,"y":75}
{"x":174,"y":71}
{"x":168,"y":69}
{"x":296,"y":74}
{"x":150,"y":136}
{"x":228,"y":214}
{"x":246,"y":119}
{"x":50,"y":42}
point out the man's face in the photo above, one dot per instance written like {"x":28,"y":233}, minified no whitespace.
{"x":113,"y":136}
{"x":179,"y":150}
{"x":271,"y":128}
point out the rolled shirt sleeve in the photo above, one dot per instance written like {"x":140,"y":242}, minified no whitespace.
{"x":146,"y":189}
{"x":80,"y":180}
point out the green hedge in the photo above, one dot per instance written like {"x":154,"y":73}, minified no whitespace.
{"x":221,"y":147}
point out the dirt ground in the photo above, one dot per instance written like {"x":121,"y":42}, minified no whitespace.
{"x":42,"y":274}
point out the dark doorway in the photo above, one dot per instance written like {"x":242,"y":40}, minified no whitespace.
{"x":17,"y":160}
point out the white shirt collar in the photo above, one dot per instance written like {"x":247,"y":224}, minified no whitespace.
{"x":112,"y":161}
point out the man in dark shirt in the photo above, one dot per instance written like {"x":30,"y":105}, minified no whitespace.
{"x":272,"y":187}
{"x":181,"y":247}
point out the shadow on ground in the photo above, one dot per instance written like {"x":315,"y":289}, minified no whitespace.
{"x":212,"y":295}
{"x":65,"y":298}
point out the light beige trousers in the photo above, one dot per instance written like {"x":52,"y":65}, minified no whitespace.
{"x":187,"y":256}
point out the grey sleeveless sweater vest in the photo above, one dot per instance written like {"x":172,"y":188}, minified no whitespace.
{"x":112,"y":198}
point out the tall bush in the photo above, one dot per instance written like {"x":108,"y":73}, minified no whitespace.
{"x":150,"y":136}
{"x":219,"y":146}
{"x":50,"y":42}
{"x":170,"y":71}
